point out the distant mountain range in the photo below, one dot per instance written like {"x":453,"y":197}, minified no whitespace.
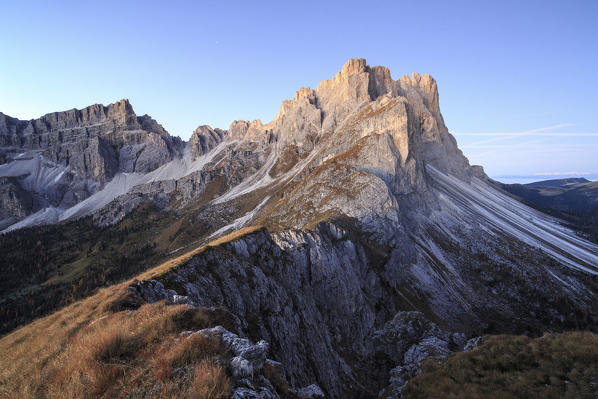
{"x":574,"y":200}
{"x":573,"y":194}
{"x":558,"y":182}
{"x":350,"y":232}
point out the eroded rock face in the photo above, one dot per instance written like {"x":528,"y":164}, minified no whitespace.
{"x":95,"y":142}
{"x":409,"y":339}
{"x":204,"y":139}
{"x":62,"y":158}
{"x":14,"y":201}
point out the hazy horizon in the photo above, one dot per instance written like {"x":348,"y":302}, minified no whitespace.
{"x":532,"y":179}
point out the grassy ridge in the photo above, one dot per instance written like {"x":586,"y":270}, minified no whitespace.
{"x":112,"y":345}
{"x":89,"y":351}
{"x":505,"y":366}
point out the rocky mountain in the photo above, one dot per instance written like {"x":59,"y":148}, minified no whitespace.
{"x":62,"y":158}
{"x":350,"y":208}
{"x":100,"y":145}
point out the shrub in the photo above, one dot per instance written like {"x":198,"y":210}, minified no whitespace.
{"x":112,"y":344}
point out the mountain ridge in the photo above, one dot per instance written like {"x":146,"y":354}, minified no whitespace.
{"x":355,"y":205}
{"x":558,"y":182}
{"x":297,"y":127}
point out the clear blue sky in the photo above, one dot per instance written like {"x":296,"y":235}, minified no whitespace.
{"x":502,"y":66}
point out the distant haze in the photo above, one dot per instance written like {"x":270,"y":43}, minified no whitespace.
{"x":517,"y":80}
{"x":531,"y":179}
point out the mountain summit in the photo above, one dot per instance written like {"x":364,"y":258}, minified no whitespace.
{"x":359,"y":229}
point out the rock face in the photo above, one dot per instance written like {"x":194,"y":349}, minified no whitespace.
{"x":15,"y":202}
{"x":331,"y":302}
{"x":81,"y":150}
{"x":204,"y":139}
{"x":409,"y":338}
{"x":95,"y":142}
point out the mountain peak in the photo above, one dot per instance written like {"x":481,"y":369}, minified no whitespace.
{"x":354,"y":66}
{"x":122,"y":106}
{"x":204,"y":139}
{"x":95,"y":113}
{"x":305,"y":92}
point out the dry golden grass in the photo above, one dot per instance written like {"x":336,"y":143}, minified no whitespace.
{"x":184,"y":353}
{"x":164,"y":267}
{"x":91,"y":349}
{"x":209,"y":382}
{"x":124,"y":354}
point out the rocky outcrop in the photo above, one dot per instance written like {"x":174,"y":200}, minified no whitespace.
{"x":204,"y":139}
{"x":299,"y":121}
{"x":408,"y":339}
{"x":95,"y":142}
{"x":15,"y":203}
{"x":245,"y":363}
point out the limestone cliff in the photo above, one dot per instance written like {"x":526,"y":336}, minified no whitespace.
{"x":81,"y":150}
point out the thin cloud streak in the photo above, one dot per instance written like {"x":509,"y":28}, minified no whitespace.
{"x":549,"y":134}
{"x":546,"y":147}
{"x":491,"y":154}
{"x":521,"y":134}
{"x":523,"y":146}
